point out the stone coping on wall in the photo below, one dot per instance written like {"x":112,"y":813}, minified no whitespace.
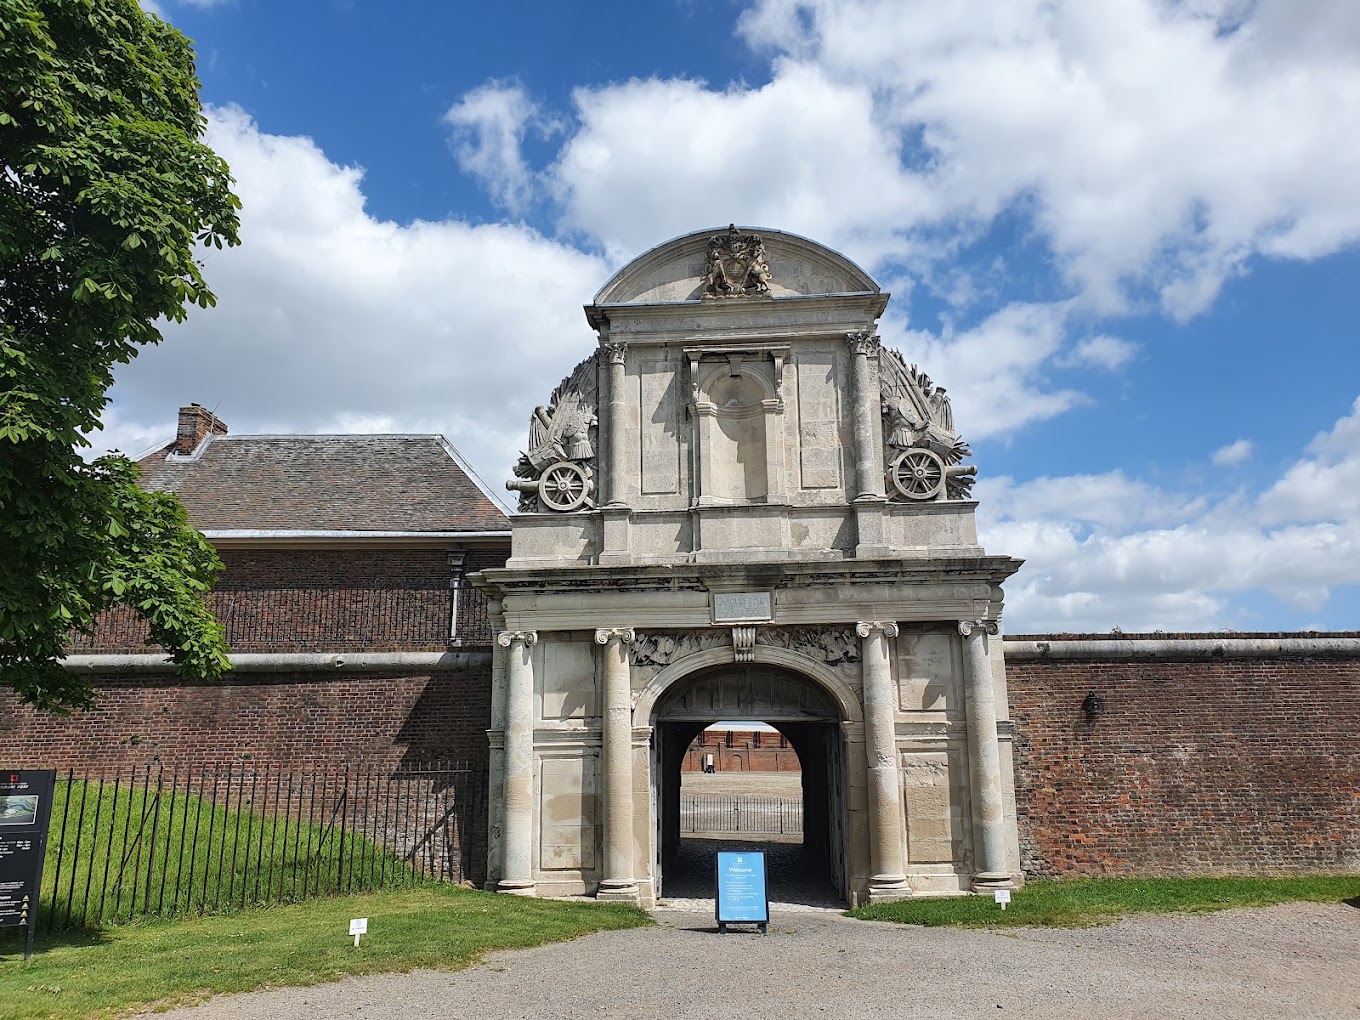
{"x":1224,"y":644}
{"x":289,"y":662}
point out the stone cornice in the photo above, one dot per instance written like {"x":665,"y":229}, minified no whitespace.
{"x":776,"y":576}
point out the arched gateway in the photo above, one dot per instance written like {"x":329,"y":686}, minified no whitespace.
{"x":742,"y":506}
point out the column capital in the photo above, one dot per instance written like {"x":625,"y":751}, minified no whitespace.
{"x":616,"y":350}
{"x":508,"y":638}
{"x":967,"y":627}
{"x":866,"y":627}
{"x":863,"y":342}
{"x":625,"y":635}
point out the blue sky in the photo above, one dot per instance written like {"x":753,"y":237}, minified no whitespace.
{"x":1123,"y":235}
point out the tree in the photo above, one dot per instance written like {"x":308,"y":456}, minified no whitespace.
{"x":107,"y":193}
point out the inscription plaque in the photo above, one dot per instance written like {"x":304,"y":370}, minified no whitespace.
{"x":741,"y":606}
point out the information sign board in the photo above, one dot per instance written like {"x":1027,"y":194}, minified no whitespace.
{"x":742,"y":896}
{"x":25,"y":810}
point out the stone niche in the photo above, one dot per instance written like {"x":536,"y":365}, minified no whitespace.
{"x":739,"y":437}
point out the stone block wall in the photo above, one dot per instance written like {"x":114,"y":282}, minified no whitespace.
{"x":1193,"y":765}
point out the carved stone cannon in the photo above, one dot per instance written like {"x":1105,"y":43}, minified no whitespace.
{"x":564,"y":486}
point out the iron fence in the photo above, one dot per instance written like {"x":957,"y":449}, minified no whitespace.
{"x":161,"y":840}
{"x":732,"y":813}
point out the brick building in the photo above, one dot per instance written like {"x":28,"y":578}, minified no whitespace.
{"x":723,"y":749}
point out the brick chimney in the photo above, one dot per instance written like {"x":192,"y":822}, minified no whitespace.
{"x":195,"y":425}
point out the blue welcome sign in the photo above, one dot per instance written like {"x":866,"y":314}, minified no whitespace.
{"x":742,"y":896}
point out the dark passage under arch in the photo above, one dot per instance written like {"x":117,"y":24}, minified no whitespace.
{"x":810,"y":719}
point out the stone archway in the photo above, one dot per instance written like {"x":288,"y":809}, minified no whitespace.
{"x":799,"y":706}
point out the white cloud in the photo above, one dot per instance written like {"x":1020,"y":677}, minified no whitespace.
{"x":993,"y":370}
{"x":1102,"y":351}
{"x":656,"y":158}
{"x":1106,"y":550}
{"x":329,"y":318}
{"x":1153,"y":145}
{"x":1233,"y":453}
{"x":489,"y":125}
{"x":1326,"y":484}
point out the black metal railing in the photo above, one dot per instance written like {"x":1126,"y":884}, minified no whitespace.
{"x":165,"y":840}
{"x":739,"y":813}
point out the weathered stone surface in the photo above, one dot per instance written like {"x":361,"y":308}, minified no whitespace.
{"x":744,"y":528}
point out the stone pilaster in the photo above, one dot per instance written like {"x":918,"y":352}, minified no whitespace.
{"x":886,"y":854}
{"x":984,"y":755}
{"x":517,"y":870}
{"x":617,"y":745}
{"x":868,"y":467}
{"x":616,"y":440}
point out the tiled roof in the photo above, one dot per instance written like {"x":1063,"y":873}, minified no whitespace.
{"x":325,"y":483}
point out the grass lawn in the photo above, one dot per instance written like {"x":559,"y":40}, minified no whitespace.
{"x":114,"y":854}
{"x":106,"y":972}
{"x":1072,"y":903}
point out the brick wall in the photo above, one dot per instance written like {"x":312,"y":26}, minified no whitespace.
{"x":298,"y":600}
{"x":316,"y":721}
{"x":1210,"y":765}
{"x":746,"y":751}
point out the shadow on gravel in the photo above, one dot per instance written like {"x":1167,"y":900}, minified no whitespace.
{"x":794,"y":873}
{"x":1354,"y":901}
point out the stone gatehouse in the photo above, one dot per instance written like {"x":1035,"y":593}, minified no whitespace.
{"x":742,"y":506}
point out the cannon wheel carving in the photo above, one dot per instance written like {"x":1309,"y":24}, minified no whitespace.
{"x":917,"y":474}
{"x":564,"y":487}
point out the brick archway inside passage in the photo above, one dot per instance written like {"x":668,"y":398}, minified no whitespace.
{"x":814,"y":869}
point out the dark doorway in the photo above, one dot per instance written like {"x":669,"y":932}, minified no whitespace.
{"x":806,"y":863}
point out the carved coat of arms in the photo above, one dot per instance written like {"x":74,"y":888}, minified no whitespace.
{"x":736,"y":265}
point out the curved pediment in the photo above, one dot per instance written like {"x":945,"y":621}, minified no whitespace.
{"x":734,"y":263}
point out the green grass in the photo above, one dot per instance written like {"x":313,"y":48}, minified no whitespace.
{"x":1071,"y":903}
{"x":128,"y":853}
{"x":165,"y":962}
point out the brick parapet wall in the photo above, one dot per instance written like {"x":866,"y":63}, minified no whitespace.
{"x":1193,"y":765}
{"x":342,"y":600}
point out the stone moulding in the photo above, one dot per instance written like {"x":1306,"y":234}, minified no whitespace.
{"x":830,"y":645}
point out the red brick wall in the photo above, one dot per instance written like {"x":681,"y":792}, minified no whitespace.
{"x":298,"y":600}
{"x":748,"y":751}
{"x":313,"y":721}
{"x":1193,"y":766}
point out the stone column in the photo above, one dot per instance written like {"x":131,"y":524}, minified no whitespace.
{"x":888,"y":880}
{"x":616,"y":461}
{"x":617,"y":745}
{"x":517,"y":871}
{"x":868,"y":469}
{"x":984,"y":754}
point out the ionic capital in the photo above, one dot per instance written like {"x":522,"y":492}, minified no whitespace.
{"x":624,"y":635}
{"x":863,"y":342}
{"x":508,"y":638}
{"x":966,"y":627}
{"x":617,"y":351}
{"x":867,"y":627}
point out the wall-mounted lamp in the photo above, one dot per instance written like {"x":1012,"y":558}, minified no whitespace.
{"x":1093,"y":704}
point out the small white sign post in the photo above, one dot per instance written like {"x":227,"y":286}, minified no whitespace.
{"x":358,"y":926}
{"x":1003,"y":896}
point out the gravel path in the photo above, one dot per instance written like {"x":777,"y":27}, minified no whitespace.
{"x":1296,"y":961}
